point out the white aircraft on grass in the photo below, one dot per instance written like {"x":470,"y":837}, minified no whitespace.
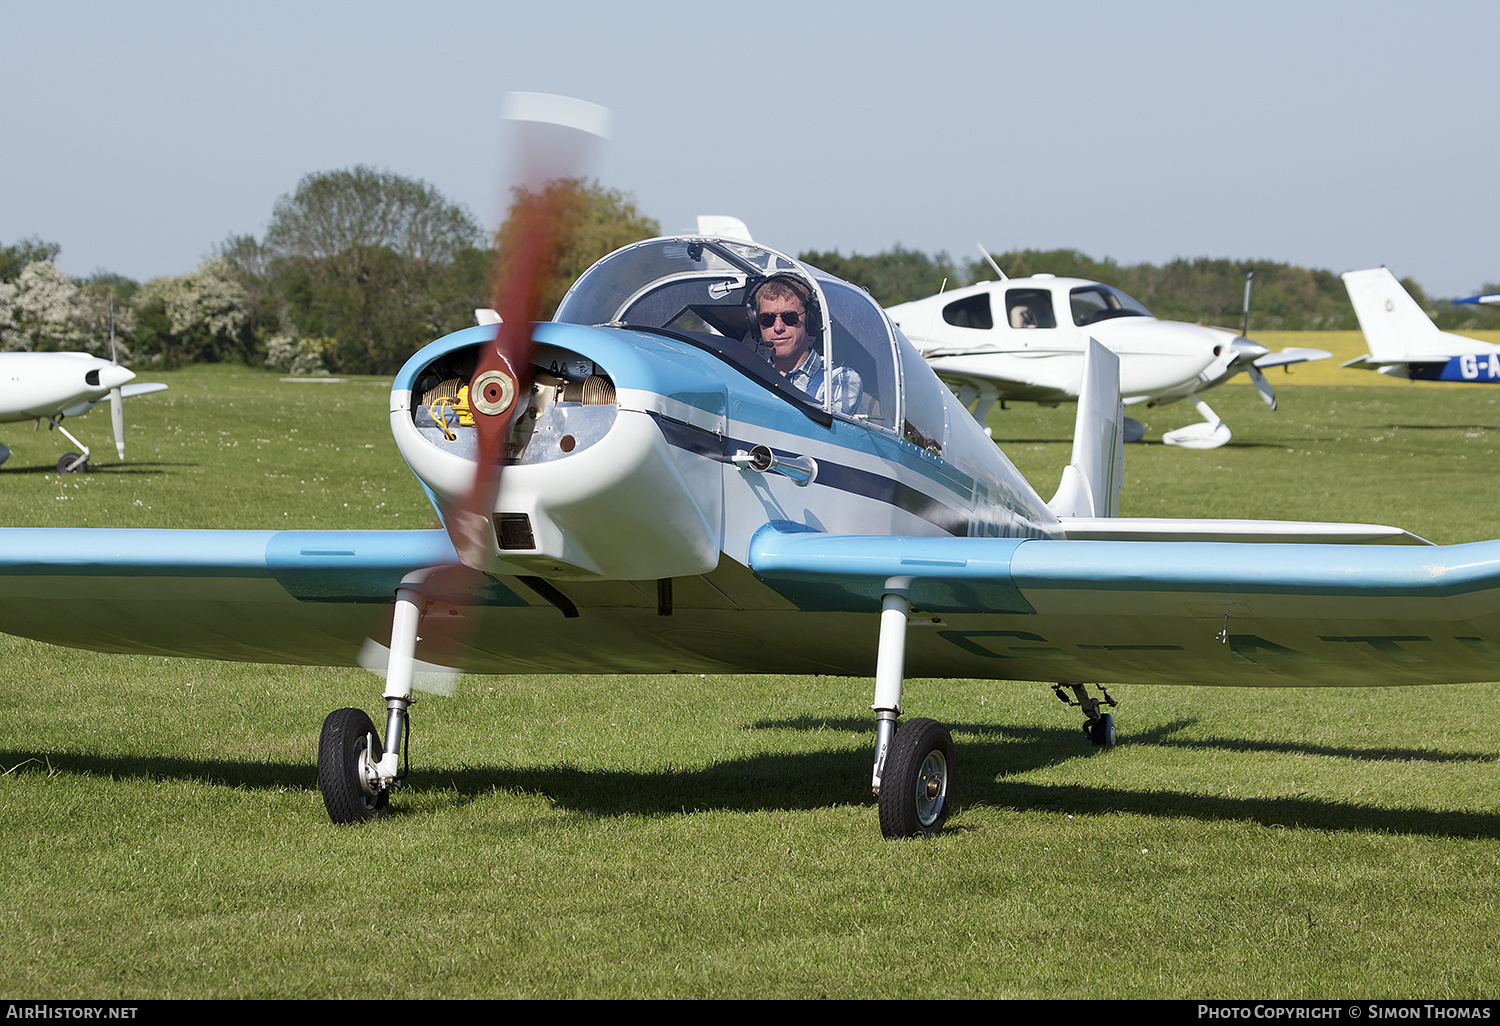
{"x":51,"y":386}
{"x":634,"y":487}
{"x":1404,"y":342}
{"x":1023,"y":339}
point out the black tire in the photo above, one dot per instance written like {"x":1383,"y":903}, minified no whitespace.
{"x":65,"y":465}
{"x":1102,"y":732}
{"x":346,"y":732}
{"x":916,"y":790}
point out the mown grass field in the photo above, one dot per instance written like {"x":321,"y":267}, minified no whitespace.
{"x":713,"y":837}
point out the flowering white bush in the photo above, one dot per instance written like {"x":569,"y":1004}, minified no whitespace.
{"x":208,"y":299}
{"x":300,"y":356}
{"x":40,"y":310}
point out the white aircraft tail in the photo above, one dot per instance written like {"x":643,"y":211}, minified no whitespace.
{"x":1395,"y":327}
{"x":1090,"y":485}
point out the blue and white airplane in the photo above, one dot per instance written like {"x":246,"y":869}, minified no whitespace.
{"x":1403,"y":341}
{"x":670,"y":502}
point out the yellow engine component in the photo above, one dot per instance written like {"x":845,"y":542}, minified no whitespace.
{"x":455,"y":407}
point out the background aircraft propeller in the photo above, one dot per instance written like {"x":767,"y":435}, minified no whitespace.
{"x":1257,"y":378}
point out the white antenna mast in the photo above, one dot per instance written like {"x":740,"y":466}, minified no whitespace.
{"x":991,"y":261}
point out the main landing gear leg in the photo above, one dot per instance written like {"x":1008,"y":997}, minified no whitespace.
{"x":1098,"y":727}
{"x":913,"y":765}
{"x":355,"y":771}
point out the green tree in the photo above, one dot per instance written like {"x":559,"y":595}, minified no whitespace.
{"x":379,"y":262}
{"x":594,"y":222}
{"x":897,"y":275}
{"x":14,"y":258}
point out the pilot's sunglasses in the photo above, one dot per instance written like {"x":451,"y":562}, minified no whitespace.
{"x":790,"y":318}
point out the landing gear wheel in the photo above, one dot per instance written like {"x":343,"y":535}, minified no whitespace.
{"x":916,"y":789}
{"x":341,"y":754}
{"x":1102,"y":732}
{"x":71,"y":464}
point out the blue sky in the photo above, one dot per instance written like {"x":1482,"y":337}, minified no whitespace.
{"x":1329,"y":134}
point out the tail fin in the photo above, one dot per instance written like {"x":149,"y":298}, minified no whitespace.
{"x":1394,"y":325}
{"x":1090,"y":484}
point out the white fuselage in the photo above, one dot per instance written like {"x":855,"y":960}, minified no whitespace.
{"x":1024,"y":339}
{"x":36,"y":385}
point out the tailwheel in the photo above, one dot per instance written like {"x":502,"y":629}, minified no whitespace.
{"x":1098,"y":727}
{"x":348,"y":750}
{"x":1102,"y":731}
{"x":916,"y":789}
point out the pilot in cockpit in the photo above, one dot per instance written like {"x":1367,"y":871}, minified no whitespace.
{"x":787,"y":323}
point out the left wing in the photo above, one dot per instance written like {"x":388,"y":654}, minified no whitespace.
{"x":1161,"y":612}
{"x":1291,"y":355}
{"x":126,"y":391}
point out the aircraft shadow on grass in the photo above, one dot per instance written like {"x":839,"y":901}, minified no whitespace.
{"x":810,"y":780}
{"x":104,"y":469}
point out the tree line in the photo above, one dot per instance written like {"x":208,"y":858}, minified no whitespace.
{"x":1204,"y":290}
{"x":360,"y":267}
{"x":357,"y":269}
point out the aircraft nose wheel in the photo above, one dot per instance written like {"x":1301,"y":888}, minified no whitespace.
{"x":73,"y":463}
{"x":1101,"y":732}
{"x":916,"y":790}
{"x":348,"y":750}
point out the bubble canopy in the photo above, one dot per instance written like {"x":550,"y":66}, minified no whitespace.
{"x":698,"y":288}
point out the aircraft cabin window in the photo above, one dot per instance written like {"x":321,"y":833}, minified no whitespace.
{"x":1029,"y":308}
{"x":1093,"y":303}
{"x":925,"y":409}
{"x":860,"y":340}
{"x":700,"y":288}
{"x":973,"y":312}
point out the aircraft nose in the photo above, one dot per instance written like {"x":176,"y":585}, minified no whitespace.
{"x":113,"y":375}
{"x":1248,"y":351}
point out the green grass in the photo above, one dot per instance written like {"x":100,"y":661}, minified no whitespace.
{"x":713,"y":837}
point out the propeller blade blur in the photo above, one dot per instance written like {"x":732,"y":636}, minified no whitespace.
{"x":553,"y":136}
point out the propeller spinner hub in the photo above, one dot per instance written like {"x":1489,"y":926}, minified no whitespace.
{"x":493,"y":392}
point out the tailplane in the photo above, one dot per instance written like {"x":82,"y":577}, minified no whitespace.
{"x":1090,"y":485}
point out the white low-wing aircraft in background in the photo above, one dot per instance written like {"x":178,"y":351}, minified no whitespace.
{"x":51,"y":386}
{"x":1023,"y":340}
{"x":667,"y":501}
{"x":1404,"y":342}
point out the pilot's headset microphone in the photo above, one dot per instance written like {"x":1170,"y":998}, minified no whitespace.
{"x":801,"y":289}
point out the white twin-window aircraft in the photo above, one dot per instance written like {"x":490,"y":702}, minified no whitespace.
{"x":667,"y":501}
{"x":1023,"y":340}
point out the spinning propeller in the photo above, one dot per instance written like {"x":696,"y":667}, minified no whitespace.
{"x":554,"y":135}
